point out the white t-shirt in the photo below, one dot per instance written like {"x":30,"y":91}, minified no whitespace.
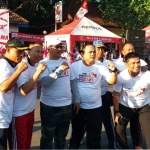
{"x":104,"y":84}
{"x":25,"y":104}
{"x":134,"y":90}
{"x":59,"y":92}
{"x":121,"y":65}
{"x":6,"y":100}
{"x":89,"y":80}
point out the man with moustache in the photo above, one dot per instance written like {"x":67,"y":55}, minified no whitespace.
{"x":58,"y":86}
{"x":25,"y":96}
{"x":107,"y":116}
{"x":89,"y":77}
{"x":8,"y":77}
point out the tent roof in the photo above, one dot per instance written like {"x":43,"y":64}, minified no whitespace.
{"x":85,"y":27}
{"x":147,"y":29}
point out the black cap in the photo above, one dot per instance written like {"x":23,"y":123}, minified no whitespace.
{"x":16,"y":42}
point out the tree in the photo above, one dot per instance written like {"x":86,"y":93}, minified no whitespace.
{"x":127,"y":14}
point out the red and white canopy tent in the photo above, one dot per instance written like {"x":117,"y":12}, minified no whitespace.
{"x":84,"y":30}
{"x":147,"y":38}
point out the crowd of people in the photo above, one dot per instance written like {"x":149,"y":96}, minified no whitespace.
{"x":74,"y":89}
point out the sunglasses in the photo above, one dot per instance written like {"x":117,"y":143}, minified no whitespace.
{"x":58,"y":46}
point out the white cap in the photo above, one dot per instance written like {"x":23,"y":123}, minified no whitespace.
{"x":53,"y":41}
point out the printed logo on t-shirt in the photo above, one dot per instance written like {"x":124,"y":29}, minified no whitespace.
{"x":88,"y":78}
{"x":135,"y":92}
{"x":64,"y":74}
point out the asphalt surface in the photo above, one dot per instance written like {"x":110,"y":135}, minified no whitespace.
{"x":104,"y":143}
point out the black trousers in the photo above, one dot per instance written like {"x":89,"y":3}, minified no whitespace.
{"x":129,"y":113}
{"x":135,"y":130}
{"x":108,"y":123}
{"x":91,"y":119}
{"x":3,"y":138}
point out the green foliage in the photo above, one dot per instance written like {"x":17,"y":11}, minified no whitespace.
{"x":128,"y":14}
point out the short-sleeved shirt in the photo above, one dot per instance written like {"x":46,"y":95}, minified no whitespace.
{"x":134,"y":90}
{"x":89,"y":79}
{"x":25,"y":104}
{"x":6,"y":100}
{"x":104,"y":85}
{"x":58,"y":93}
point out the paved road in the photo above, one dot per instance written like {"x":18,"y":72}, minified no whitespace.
{"x":37,"y":134}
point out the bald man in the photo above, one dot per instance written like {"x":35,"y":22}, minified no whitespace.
{"x":127,"y":48}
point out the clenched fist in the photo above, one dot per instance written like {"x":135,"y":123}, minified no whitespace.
{"x":111,"y":66}
{"x":40,"y":68}
{"x":64,"y":65}
{"x":22,"y":66}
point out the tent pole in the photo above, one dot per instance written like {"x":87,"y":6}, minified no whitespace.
{"x":55,"y":26}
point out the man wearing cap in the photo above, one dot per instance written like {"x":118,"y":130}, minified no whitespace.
{"x":58,"y":82}
{"x":25,"y":96}
{"x":107,"y":116}
{"x":89,"y":75}
{"x":8,"y":78}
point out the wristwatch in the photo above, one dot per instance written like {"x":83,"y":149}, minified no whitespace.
{"x":114,"y":70}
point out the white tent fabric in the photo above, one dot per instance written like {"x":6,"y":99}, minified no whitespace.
{"x":147,"y":35}
{"x":84,"y":30}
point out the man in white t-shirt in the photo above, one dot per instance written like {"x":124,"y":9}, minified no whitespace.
{"x":107,"y":116}
{"x":25,"y":96}
{"x":8,"y":77}
{"x":135,"y":128}
{"x":131,"y":99}
{"x":58,"y":85}
{"x":127,"y":48}
{"x":89,"y":76}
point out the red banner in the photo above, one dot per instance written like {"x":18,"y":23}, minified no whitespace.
{"x":4,"y":29}
{"x":29,"y":37}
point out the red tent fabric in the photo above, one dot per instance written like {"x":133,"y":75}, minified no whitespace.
{"x":84,"y":30}
{"x":147,"y":38}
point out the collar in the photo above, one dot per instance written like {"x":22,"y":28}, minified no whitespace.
{"x":28,"y":60}
{"x":102,"y":59}
{"x":9,"y":61}
{"x":123,"y":59}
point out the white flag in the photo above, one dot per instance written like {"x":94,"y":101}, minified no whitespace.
{"x":82,"y":10}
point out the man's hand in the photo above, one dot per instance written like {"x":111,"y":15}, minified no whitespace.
{"x":117,"y":116}
{"x":144,"y":68}
{"x":64,"y":65}
{"x":77,"y":107}
{"x":111,"y":66}
{"x":22,"y":66}
{"x":40,"y":68}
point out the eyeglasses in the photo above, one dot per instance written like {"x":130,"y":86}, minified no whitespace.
{"x":58,"y":46}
